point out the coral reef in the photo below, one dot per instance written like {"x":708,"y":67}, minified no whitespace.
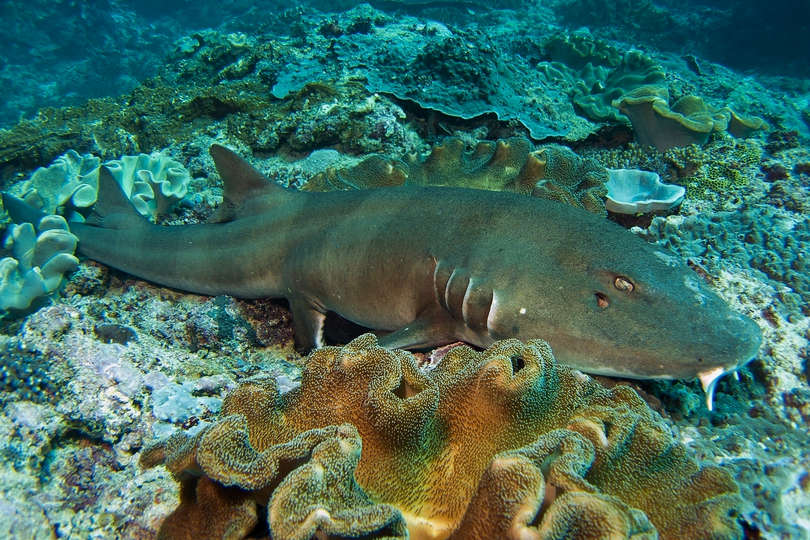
{"x":435,"y":66}
{"x":155,"y":361}
{"x":551,"y":172}
{"x":717,"y":170}
{"x":472,"y":449}
{"x":766,"y":239}
{"x":596,"y":73}
{"x":152,"y":182}
{"x":39,"y":260}
{"x":596,"y":90}
{"x":571,"y":179}
{"x":52,"y":186}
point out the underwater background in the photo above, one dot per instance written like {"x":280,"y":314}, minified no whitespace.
{"x":97,"y":367}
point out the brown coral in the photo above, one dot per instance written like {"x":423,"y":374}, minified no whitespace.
{"x":688,"y":121}
{"x":551,"y":172}
{"x":495,"y":444}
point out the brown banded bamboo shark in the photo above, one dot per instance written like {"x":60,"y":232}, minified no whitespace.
{"x":428,"y":266}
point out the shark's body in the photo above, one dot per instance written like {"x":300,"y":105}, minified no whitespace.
{"x":435,"y":265}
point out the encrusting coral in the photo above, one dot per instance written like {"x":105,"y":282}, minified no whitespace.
{"x":550,"y":172}
{"x":495,"y":444}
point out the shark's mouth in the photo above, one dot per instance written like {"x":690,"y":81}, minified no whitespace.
{"x":708,"y":380}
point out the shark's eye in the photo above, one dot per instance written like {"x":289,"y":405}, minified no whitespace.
{"x":601,"y":300}
{"x":623,"y":284}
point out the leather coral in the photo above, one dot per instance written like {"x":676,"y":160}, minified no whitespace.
{"x":501,"y":443}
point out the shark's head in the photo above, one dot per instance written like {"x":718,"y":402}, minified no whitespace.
{"x":632,"y":310}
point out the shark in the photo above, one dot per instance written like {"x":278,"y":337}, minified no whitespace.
{"x":427,"y":266}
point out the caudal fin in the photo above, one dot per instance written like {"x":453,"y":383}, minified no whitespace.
{"x":112,"y":210}
{"x":21,"y":212}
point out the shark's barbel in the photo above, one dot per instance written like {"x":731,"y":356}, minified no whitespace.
{"x":434,"y":265}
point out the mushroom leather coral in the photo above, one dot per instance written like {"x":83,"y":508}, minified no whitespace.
{"x":495,"y":444}
{"x":550,"y":172}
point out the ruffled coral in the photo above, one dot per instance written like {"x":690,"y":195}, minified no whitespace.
{"x":688,"y":121}
{"x":40,"y":259}
{"x":550,"y":172}
{"x":598,"y":86}
{"x":492,"y":444}
{"x":655,"y":123}
{"x":70,"y":184}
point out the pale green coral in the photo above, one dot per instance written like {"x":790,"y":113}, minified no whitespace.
{"x":689,"y":120}
{"x":596,"y":72}
{"x":39,"y":260}
{"x":153,"y":182}
{"x":70,"y":176}
{"x":578,"y":49}
{"x":599,"y":86}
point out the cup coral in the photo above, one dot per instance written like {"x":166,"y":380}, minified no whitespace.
{"x":495,"y":444}
{"x":632,"y":191}
{"x":688,"y":121}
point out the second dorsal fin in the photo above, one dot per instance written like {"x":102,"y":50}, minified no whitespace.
{"x":245,"y":190}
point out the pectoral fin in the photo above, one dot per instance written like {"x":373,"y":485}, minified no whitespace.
{"x":307,"y":324}
{"x":433,"y":328}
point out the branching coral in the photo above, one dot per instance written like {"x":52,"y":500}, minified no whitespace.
{"x":40,"y":259}
{"x":493,"y":444}
{"x":551,"y":172}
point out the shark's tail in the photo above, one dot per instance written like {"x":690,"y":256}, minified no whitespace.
{"x":21,"y":212}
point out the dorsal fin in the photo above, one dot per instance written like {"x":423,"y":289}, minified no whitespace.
{"x":245,"y":190}
{"x":113,"y":209}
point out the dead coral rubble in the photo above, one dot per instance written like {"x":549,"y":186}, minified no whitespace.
{"x":493,"y":444}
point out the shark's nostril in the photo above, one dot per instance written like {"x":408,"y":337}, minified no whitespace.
{"x":601,"y":300}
